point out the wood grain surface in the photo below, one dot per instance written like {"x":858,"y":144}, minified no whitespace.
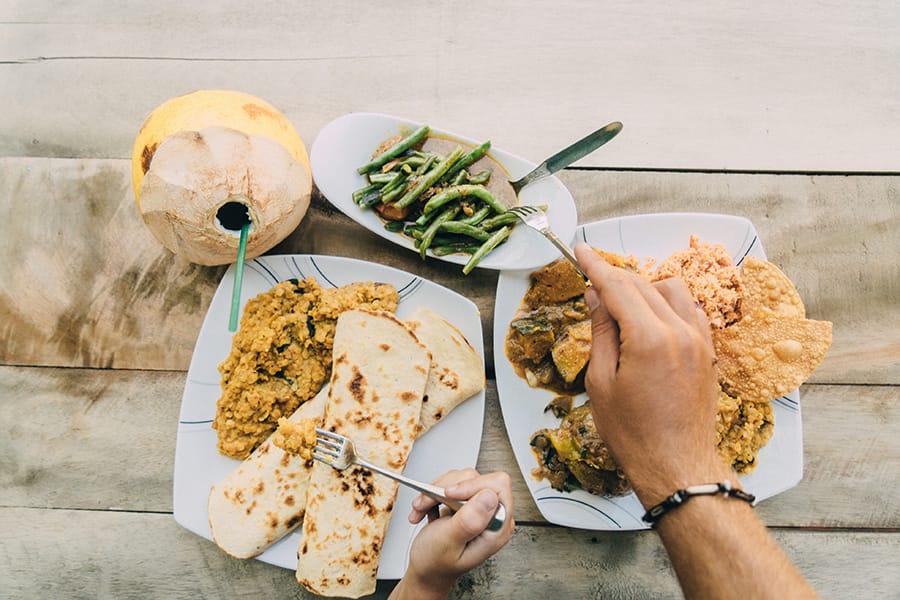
{"x":72,"y":294}
{"x":113,"y":554}
{"x":806,"y":86}
{"x":120,"y":419}
{"x":786,"y":114}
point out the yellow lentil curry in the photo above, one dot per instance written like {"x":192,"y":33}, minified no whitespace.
{"x":281,"y":356}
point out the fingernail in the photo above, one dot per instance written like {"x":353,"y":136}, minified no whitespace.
{"x":487,"y":500}
{"x":591,"y":299}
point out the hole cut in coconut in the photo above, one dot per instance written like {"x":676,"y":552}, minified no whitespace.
{"x":232,"y":216}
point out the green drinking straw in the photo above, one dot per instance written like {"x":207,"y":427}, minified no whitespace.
{"x":238,"y":277}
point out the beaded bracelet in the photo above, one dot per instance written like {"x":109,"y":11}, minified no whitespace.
{"x":725,"y":488}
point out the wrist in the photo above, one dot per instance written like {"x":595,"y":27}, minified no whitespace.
{"x":416,"y":587}
{"x":654,"y":488}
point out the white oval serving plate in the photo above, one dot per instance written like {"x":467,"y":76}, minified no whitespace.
{"x":347,"y":143}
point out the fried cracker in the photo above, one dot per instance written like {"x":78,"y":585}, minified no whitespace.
{"x":766,"y":354}
{"x":766,"y":285}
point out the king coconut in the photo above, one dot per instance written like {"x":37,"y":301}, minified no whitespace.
{"x":209,"y":162}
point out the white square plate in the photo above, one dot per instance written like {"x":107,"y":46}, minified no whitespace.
{"x":452,"y":444}
{"x":780,"y":462}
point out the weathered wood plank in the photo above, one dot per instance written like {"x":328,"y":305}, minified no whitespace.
{"x":697,"y":86}
{"x":123,"y":424}
{"x":99,"y":554}
{"x":72,"y":294}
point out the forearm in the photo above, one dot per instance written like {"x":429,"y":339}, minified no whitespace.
{"x":720,"y":549}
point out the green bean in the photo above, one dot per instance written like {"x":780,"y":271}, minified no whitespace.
{"x":460,"y":178}
{"x":465,"y":229}
{"x":360,"y":193}
{"x":413,"y":231}
{"x":394,"y":226}
{"x":496,"y":221}
{"x":414,"y":161}
{"x":495,"y":240}
{"x":458,"y":248}
{"x":370,"y":199}
{"x":429,"y":178}
{"x":476,"y":153}
{"x":392,"y":194}
{"x":443,"y":240}
{"x":396,"y":150}
{"x":460,"y":191}
{"x":481,"y":177}
{"x":478,"y":216}
{"x":433,"y":228}
{"x":382,"y":178}
{"x":424,"y":219}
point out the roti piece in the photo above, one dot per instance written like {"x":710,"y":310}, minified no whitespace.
{"x":377,"y":384}
{"x":457,"y":371}
{"x":766,"y":355}
{"x":265,"y":497}
{"x":767,"y":286}
{"x":456,"y":374}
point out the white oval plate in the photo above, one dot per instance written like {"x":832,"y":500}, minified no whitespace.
{"x":644,"y":236}
{"x":452,"y":444}
{"x":347,"y":143}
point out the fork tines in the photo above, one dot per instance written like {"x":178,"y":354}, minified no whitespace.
{"x":326,"y":446}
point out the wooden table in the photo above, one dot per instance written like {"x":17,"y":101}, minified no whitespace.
{"x":787,"y":116}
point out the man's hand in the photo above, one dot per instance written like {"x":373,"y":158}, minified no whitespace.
{"x":651,"y":379}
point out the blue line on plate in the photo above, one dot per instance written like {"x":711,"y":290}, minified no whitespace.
{"x":410,"y":288}
{"x":613,"y":521}
{"x":744,"y":255}
{"x":297,"y":267}
{"x":195,"y":422}
{"x":787,"y":404}
{"x":267,"y":275}
{"x":321,"y":272}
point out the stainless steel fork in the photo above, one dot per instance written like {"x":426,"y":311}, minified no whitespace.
{"x":339,"y":452}
{"x":536,"y":218}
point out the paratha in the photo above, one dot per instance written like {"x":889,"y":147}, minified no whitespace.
{"x":456,"y":374}
{"x":457,"y":371}
{"x":265,"y":497}
{"x":377,"y":384}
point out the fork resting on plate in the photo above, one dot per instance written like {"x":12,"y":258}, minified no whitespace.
{"x":339,"y":452}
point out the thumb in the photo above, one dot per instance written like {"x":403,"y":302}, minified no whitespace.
{"x":475,"y":515}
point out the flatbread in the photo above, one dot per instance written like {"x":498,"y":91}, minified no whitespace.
{"x":456,"y":374}
{"x":265,"y":497}
{"x":457,"y":371}
{"x":377,"y":384}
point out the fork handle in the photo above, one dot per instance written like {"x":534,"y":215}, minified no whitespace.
{"x":435,"y":493}
{"x":566,"y":251}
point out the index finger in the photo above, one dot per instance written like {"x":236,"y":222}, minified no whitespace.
{"x":618,"y":289}
{"x":422,"y":504}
